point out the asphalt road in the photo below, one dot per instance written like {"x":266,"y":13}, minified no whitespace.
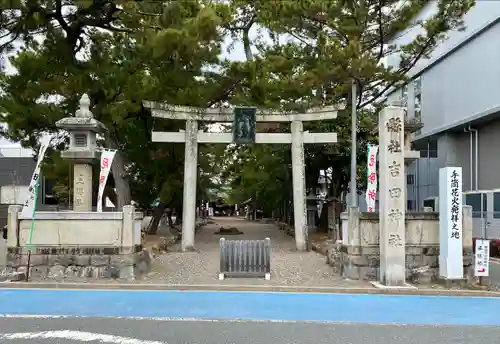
{"x":133,"y":331}
{"x":57,"y":316}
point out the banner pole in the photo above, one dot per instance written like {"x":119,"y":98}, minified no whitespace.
{"x":32,"y":228}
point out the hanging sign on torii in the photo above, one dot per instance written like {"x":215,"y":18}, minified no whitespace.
{"x":244,"y":125}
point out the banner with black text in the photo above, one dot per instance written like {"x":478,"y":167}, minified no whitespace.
{"x":29,"y":203}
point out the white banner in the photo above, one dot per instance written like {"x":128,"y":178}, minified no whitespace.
{"x":371,"y":174}
{"x":107,"y":157}
{"x":482,"y":255}
{"x":29,"y":203}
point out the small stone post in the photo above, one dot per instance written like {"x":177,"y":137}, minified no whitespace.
{"x":299,"y":186}
{"x":392,"y":199}
{"x":83,"y":128}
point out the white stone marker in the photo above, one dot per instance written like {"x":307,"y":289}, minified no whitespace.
{"x":392,"y":199}
{"x":450,"y":223}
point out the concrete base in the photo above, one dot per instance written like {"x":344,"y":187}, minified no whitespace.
{"x":379,"y":285}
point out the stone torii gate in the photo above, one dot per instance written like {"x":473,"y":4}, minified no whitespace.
{"x":192,"y":136}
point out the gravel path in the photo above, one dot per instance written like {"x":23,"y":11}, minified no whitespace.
{"x":288,"y":267}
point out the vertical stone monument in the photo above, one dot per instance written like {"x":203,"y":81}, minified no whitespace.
{"x":82,"y":151}
{"x":450,"y":223}
{"x":392,"y":199}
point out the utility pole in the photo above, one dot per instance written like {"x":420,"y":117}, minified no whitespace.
{"x":354,"y":148}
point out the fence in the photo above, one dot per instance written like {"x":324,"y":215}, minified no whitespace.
{"x":245,"y":258}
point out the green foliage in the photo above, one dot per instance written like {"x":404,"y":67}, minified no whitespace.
{"x":319,"y":48}
{"x":120,"y":53}
{"x":123,"y":52}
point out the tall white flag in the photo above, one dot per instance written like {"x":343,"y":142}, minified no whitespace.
{"x":29,"y":203}
{"x":107,"y":157}
{"x":371,"y":185}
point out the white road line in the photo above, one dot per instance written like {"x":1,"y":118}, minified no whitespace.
{"x":77,"y":335}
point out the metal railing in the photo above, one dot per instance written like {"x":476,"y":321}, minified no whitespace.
{"x":245,"y":258}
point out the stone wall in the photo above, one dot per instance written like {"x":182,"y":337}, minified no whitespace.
{"x":79,"y":262}
{"x":77,"y":244}
{"x":358,"y":257}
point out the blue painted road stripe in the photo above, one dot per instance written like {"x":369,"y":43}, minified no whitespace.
{"x":417,"y":310}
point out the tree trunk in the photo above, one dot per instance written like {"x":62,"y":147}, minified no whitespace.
{"x":109,"y":193}
{"x":157,"y":214}
{"x":178,"y":216}
{"x":323,"y":218}
{"x":169,"y":217}
{"x":120,"y":177}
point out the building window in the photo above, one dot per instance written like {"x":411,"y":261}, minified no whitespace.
{"x":496,"y":205}
{"x":410,"y":179}
{"x":411,"y":205}
{"x":474,"y":200}
{"x":428,"y":153}
{"x":80,"y":140}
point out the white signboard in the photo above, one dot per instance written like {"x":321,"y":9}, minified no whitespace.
{"x":371,"y":185}
{"x":450,"y":223}
{"x":482,"y":258}
{"x":29,"y":203}
{"x":107,"y":157}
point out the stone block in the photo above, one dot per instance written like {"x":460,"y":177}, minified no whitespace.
{"x":100,"y":272}
{"x":468,"y":251}
{"x":468,"y":260}
{"x":414,"y":261}
{"x":414,"y":250}
{"x":60,"y":260}
{"x":18,"y":276}
{"x":86,"y":271}
{"x":13,"y":260}
{"x":423,"y":276}
{"x":73,"y":271}
{"x":22,"y":260}
{"x":57,"y":272}
{"x":368,"y":273}
{"x":145,"y":256}
{"x":350,"y":271}
{"x":431,"y":261}
{"x":333,"y":255}
{"x":123,"y":260}
{"x":99,"y":260}
{"x":37,"y":272}
{"x":354,"y":250}
{"x":127,"y":273}
{"x":114,"y":271}
{"x":81,"y":260}
{"x":370,"y":250}
{"x":431,"y":251}
{"x":141,"y":267}
{"x":357,"y":260}
{"x":374,"y":261}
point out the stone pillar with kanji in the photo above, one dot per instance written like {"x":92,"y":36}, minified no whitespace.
{"x":392,"y":199}
{"x":82,"y":151}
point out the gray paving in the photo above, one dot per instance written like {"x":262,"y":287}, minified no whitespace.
{"x":495,"y":273}
{"x":289,"y":267}
{"x":187,"y":332}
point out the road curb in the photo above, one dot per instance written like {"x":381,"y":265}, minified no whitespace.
{"x":248,"y":288}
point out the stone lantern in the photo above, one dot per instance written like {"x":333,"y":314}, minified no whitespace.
{"x":83,"y":129}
